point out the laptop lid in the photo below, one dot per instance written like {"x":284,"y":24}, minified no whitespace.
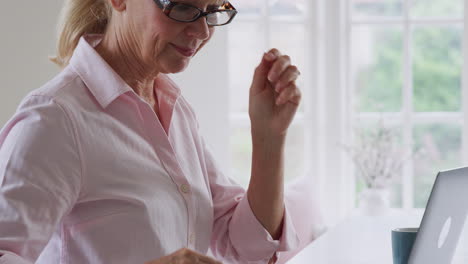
{"x":443,"y":220}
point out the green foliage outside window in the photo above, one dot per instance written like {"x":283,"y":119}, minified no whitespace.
{"x":380,"y":84}
{"x":437,"y":69}
{"x":437,"y":64}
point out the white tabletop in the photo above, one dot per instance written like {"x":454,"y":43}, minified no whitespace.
{"x":366,"y":240}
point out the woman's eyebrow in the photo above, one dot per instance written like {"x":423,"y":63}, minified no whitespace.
{"x":215,"y":6}
{"x":209,"y":7}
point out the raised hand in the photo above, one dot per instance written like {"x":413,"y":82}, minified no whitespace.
{"x":274,"y":95}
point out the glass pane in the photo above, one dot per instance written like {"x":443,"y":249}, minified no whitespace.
{"x":437,"y":8}
{"x":376,"y":68}
{"x":377,"y":8}
{"x":246,"y":47}
{"x":241,"y":153}
{"x":293,"y":45}
{"x":246,"y":8}
{"x":437,"y":68}
{"x":240,"y":143}
{"x":290,"y":8}
{"x":437,"y":147}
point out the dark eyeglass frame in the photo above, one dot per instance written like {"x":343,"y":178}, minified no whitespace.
{"x":167,"y":6}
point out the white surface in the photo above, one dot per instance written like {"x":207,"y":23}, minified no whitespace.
{"x":366,"y":240}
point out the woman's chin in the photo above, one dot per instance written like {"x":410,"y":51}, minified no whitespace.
{"x":178,"y":67}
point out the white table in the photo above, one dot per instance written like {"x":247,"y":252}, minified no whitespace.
{"x":366,"y":240}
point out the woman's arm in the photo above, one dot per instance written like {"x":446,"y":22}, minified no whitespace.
{"x":266,"y":186}
{"x":40,"y":177}
{"x":253,"y":230}
{"x":273,"y":102}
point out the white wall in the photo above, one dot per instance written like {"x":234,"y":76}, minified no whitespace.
{"x":27,"y":30}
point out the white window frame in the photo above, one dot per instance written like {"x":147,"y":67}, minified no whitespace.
{"x":408,"y":117}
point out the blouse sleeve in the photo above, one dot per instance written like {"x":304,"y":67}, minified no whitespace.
{"x":238,"y":237}
{"x":40,"y":177}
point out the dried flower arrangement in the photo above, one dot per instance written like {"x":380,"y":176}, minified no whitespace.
{"x":378,"y":155}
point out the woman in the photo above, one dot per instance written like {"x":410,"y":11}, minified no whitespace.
{"x":105,"y":164}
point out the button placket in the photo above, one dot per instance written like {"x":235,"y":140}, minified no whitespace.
{"x":166,"y":153}
{"x":185,"y":188}
{"x":192,"y":239}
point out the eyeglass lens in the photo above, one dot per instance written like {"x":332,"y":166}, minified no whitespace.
{"x":184,"y":12}
{"x":218,"y":18}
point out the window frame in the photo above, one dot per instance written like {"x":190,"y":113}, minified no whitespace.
{"x":408,"y":117}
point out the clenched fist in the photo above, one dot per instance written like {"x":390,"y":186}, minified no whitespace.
{"x":184,"y":256}
{"x":274,"y":95}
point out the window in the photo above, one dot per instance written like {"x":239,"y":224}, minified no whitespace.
{"x":259,"y":26}
{"x":362,"y":61}
{"x":405,"y":67}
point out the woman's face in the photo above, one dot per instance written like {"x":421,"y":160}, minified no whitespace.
{"x":161,"y":42}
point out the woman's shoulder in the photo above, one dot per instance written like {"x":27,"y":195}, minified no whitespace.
{"x":42,"y":114}
{"x":61,"y":85}
{"x":65,"y":89}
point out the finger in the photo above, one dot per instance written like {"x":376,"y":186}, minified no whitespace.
{"x":260,"y":74}
{"x":275,"y":54}
{"x":278,"y":67}
{"x":290,"y":94}
{"x":210,"y":262}
{"x":289,"y":75}
{"x":204,"y":259}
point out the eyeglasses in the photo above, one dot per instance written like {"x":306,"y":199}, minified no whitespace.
{"x":187,"y":13}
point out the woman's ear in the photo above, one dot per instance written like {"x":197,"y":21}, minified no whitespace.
{"x":118,"y":5}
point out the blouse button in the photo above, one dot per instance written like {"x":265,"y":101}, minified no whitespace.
{"x":185,"y":188}
{"x":192,"y":238}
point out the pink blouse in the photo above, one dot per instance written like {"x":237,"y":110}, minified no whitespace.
{"x":89,"y":174}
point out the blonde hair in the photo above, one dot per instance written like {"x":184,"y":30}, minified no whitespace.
{"x":79,"y":17}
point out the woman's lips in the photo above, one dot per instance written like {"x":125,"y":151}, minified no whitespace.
{"x":184,"y":51}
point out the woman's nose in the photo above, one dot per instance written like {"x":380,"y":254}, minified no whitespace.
{"x":199,"y":29}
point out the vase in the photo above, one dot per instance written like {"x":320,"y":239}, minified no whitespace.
{"x":374,"y":201}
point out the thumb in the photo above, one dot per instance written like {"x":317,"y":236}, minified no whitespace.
{"x":261,"y":73}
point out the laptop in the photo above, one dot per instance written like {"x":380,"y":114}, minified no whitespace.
{"x":443,"y":220}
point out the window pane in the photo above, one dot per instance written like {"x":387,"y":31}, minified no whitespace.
{"x":377,"y":8}
{"x":248,"y":7}
{"x":246,"y":48}
{"x":376,"y":65}
{"x":437,"y":67}
{"x":290,"y":8}
{"x":292,"y":45}
{"x":438,"y":147}
{"x":241,"y":153}
{"x":240,"y":143}
{"x":437,"y":8}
